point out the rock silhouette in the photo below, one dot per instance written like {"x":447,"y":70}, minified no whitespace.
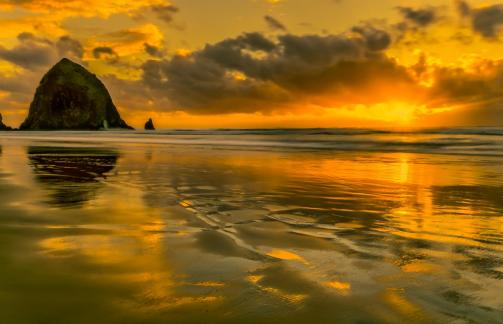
{"x":149,"y":125}
{"x":72,"y":176}
{"x":2,"y":125}
{"x":71,"y":98}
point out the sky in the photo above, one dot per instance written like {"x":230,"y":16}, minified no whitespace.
{"x":266,"y":63}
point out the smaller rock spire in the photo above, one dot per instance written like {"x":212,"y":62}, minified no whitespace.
{"x":149,"y":125}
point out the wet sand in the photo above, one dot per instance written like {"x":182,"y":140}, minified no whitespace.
{"x":95,"y":231}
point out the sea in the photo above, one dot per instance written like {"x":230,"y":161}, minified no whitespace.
{"x":252,"y":226}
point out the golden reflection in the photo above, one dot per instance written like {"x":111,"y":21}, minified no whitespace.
{"x":185,"y":203}
{"x":375,"y":219}
{"x":341,"y":287}
{"x":292,"y":298}
{"x":352,"y":225}
{"x":445,"y":255}
{"x":404,"y":168}
{"x":396,"y":299}
{"x":209,"y":284}
{"x":101,"y":249}
{"x":286,"y":255}
{"x":254,"y":279}
{"x":420,"y":266}
{"x":136,"y":248}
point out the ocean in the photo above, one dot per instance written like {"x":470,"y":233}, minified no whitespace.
{"x":262,"y":226}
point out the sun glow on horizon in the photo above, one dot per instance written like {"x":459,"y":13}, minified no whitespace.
{"x":375,"y":66}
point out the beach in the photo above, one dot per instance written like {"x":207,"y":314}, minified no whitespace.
{"x":285,"y":226}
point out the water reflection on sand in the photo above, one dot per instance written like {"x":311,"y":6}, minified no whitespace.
{"x":74,"y":174}
{"x":153,"y":233}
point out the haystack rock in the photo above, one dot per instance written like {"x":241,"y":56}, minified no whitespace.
{"x":149,"y":125}
{"x":3,"y":127}
{"x":71,"y":98}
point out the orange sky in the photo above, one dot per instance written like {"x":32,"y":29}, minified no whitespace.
{"x":266,"y":63}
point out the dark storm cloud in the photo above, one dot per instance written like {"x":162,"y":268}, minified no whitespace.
{"x":165,"y":12}
{"x":153,"y":50}
{"x":376,"y":39}
{"x":254,"y":73}
{"x":274,"y":23}
{"x":29,"y":54}
{"x":105,"y":52}
{"x":415,"y":20}
{"x":419,"y":16}
{"x":485,"y":21}
{"x":16,"y":85}
{"x":31,"y":38}
{"x":69,"y":47}
{"x":477,"y":93}
{"x":458,"y":85}
{"x":33,"y":52}
{"x":488,"y":21}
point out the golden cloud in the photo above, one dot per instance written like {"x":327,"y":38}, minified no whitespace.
{"x":127,"y":42}
{"x":46,"y":17}
{"x":82,"y":8}
{"x":9,"y":70}
{"x":40,"y":25}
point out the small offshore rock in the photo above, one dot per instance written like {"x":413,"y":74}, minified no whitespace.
{"x":149,"y":125}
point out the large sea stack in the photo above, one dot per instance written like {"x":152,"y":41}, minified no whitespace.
{"x":3,"y":127}
{"x":71,"y":98}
